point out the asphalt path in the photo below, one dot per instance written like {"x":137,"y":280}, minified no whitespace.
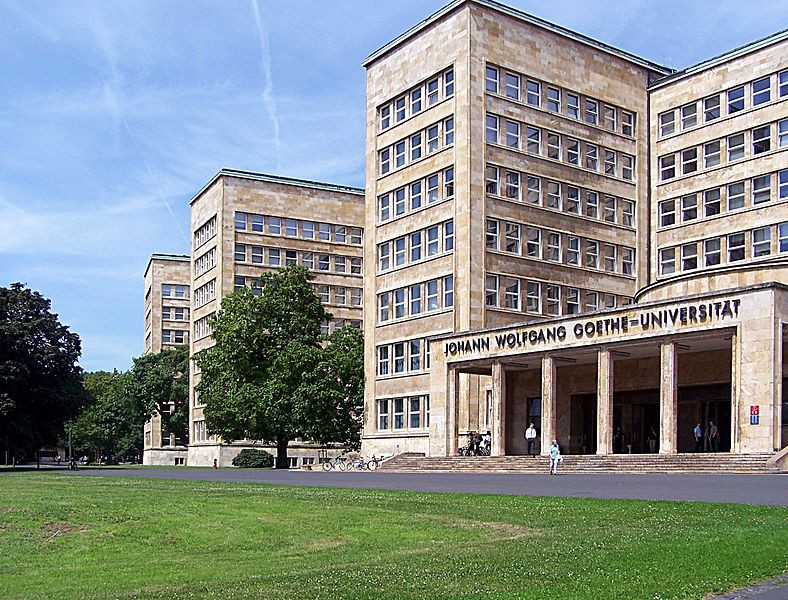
{"x":737,"y":489}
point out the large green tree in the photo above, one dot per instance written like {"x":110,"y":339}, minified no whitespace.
{"x":159,"y":383}
{"x":273,"y":376}
{"x":40,"y":380}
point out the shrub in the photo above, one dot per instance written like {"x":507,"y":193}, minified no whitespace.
{"x":253,"y":459}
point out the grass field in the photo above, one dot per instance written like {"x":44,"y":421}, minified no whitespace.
{"x":84,"y":537}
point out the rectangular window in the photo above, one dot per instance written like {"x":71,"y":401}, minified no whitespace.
{"x":512,"y":134}
{"x":592,"y":204}
{"x":735,"y":100}
{"x":736,"y":195}
{"x":761,"y":189}
{"x":553,"y":195}
{"x":399,"y":202}
{"x":711,"y":154}
{"x":782,"y":231}
{"x":355,"y":265}
{"x":491,"y":79}
{"x":782,"y":182}
{"x":711,"y":108}
{"x":308,"y":260}
{"x":432,"y":189}
{"x":627,"y":123}
{"x":553,"y":146}
{"x":240,"y":221}
{"x":384,"y":301}
{"x":627,"y":213}
{"x":340,"y":264}
{"x":432,"y":92}
{"x":356,"y":234}
{"x":627,"y":261}
{"x":534,"y":140}
{"x":592,"y":157}
{"x":782,"y":133}
{"x":592,"y":301}
{"x":291,"y":228}
{"x":432,"y":139}
{"x":553,"y":246}
{"x":415,"y":195}
{"x":275,"y":257}
{"x":572,"y":301}
{"x":274,"y":226}
{"x":414,"y":414}
{"x":553,"y":300}
{"x":610,"y":120}
{"x":689,"y":257}
{"x":611,"y":260}
{"x":592,"y":111}
{"x":782,"y":84}
{"x":399,"y":154}
{"x":448,"y":131}
{"x":761,"y":242}
{"x":257,"y":223}
{"x":492,"y":129}
{"x":610,"y":209}
{"x":324,"y":292}
{"x":399,"y":303}
{"x":572,"y":199}
{"x":711,"y":202}
{"x":573,"y":152}
{"x":324,"y":231}
{"x":291,"y":258}
{"x":399,"y":252}
{"x":689,"y":161}
{"x":513,"y":86}
{"x":340,"y":295}
{"x":240,"y":254}
{"x":355,"y":296}
{"x":384,"y":207}
{"x":448,"y":84}
{"x":383,"y":414}
{"x":432,"y":240}
{"x":711,"y":252}
{"x":448,"y":236}
{"x":448,"y":183}
{"x":627,"y":167}
{"x":573,"y":106}
{"x":512,"y":293}
{"x":399,"y":408}
{"x":308,"y":230}
{"x":533,"y":297}
{"x":761,"y":91}
{"x":534,"y":242}
{"x":735,"y":147}
{"x":553,"y":99}
{"x":399,"y":357}
{"x":399,"y":109}
{"x":432,"y":295}
{"x":573,"y":250}
{"x":491,"y":177}
{"x":385,"y":117}
{"x":667,"y":261}
{"x":415,"y":101}
{"x":736,"y":247}
{"x":534,"y":93}
{"x":491,"y":290}
{"x":448,"y":291}
{"x":761,"y":139}
{"x":689,"y":208}
{"x":323,"y":262}
{"x":667,"y":123}
{"x":689,"y":115}
{"x":385,"y":161}
{"x":534,"y":190}
{"x":512,"y":231}
{"x":491,"y":234}
{"x":667,"y":167}
{"x":415,"y":246}
{"x":610,"y":162}
{"x":257,"y":255}
{"x":415,"y":146}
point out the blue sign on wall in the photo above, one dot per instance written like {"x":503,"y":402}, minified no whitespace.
{"x":754,"y":419}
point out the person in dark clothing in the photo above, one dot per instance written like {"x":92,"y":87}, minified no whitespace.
{"x":698,"y":433}
{"x":652,"y":440}
{"x":618,"y":441}
{"x":713,"y":435}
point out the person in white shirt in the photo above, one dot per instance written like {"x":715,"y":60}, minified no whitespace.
{"x":530,"y":438}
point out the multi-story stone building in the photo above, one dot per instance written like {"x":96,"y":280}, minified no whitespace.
{"x":525,"y":184}
{"x":244,"y":224}
{"x":167,"y":324}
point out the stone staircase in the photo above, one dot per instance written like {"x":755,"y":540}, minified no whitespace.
{"x":613,"y":463}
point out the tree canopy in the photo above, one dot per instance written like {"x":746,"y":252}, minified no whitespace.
{"x":40,"y":380}
{"x":273,"y":376}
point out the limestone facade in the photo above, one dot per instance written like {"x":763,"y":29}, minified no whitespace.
{"x":519,"y":172}
{"x":244,"y":224}
{"x":167,"y":308}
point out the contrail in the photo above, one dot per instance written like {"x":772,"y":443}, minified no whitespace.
{"x":268,"y":85}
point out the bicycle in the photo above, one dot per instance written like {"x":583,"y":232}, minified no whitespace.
{"x":335,"y":463}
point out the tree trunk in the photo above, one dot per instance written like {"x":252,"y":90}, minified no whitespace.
{"x":281,"y":454}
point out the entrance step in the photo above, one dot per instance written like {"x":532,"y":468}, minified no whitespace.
{"x":612,"y":463}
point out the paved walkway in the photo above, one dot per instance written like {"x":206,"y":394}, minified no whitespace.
{"x":738,"y":489}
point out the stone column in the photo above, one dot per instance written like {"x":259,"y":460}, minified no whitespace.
{"x":498,"y":425}
{"x":604,"y":402}
{"x":668,"y":397}
{"x":452,"y":412}
{"x":548,"y":402}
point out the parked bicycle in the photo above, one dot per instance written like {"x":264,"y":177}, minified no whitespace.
{"x":338,"y":462}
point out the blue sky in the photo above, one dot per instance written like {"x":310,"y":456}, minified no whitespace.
{"x":113,"y":114}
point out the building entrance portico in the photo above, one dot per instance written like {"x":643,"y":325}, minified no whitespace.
{"x":601,"y":387}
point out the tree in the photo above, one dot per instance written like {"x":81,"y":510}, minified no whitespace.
{"x":268,"y":375}
{"x":159,"y":383}
{"x":40,"y":381}
{"x":112,"y":422}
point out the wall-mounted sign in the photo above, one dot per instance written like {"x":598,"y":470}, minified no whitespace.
{"x":754,"y":419}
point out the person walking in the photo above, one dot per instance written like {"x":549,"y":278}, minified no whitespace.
{"x":698,"y":433}
{"x":618,"y":441}
{"x":555,"y":457}
{"x":530,"y":439}
{"x":713,"y":434}
{"x":652,"y":440}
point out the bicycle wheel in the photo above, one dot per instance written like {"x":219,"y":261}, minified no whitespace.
{"x":372,"y":465}
{"x":341,"y":465}
{"x":327,"y":466}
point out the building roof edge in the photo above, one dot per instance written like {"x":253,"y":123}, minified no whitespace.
{"x":166,"y":256}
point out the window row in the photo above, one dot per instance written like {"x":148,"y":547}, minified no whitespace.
{"x":205,"y":293}
{"x":524,"y":240}
{"x":416,"y":299}
{"x":539,"y":298}
{"x":174,"y":336}
{"x":744,"y":144}
{"x":398,"y":358}
{"x":412,"y":412}
{"x":314,"y":261}
{"x":725,"y":103}
{"x":172,"y":290}
{"x":414,"y":147}
{"x":205,"y":232}
{"x":729,"y":249}
{"x":417,"y":246}
{"x":296,"y":228}
{"x":202,"y":327}
{"x":205,"y":263}
{"x":416,"y":195}
{"x":339,"y":295}
{"x":531,"y":189}
{"x":556,"y":146}
{"x":418,"y":98}
{"x":558,"y":100}
{"x":174,"y":313}
{"x":329,"y":327}
{"x":734,"y":196}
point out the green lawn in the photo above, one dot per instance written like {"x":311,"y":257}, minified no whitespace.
{"x":85,"y":537}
